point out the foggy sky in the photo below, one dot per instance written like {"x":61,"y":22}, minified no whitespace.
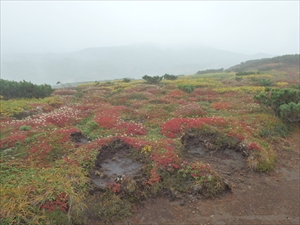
{"x":270,"y":27}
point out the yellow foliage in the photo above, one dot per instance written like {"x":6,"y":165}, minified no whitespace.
{"x":243,"y":89}
{"x":259,"y":76}
{"x":24,"y":190}
{"x":146,"y":149}
{"x":13,"y":107}
{"x":196,"y":82}
{"x":281,"y":84}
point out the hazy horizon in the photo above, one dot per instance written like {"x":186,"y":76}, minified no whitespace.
{"x":269,"y":27}
{"x":139,"y":37}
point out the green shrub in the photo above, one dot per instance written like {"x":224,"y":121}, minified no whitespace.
{"x":126,"y":80}
{"x":290,"y":112}
{"x":186,"y":87}
{"x":264,"y":82}
{"x":24,"y":89}
{"x":152,"y":80}
{"x":272,"y":99}
{"x":25,"y":128}
{"x":170,"y":77}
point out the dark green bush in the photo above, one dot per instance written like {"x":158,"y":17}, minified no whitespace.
{"x":283,"y":102}
{"x":290,"y":112}
{"x":24,"y":89}
{"x":152,"y":80}
{"x":264,"y":82}
{"x":186,"y":87}
{"x":170,"y":77}
{"x":126,"y":80}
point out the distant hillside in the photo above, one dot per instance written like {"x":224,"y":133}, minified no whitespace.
{"x":105,"y":63}
{"x":285,"y":62}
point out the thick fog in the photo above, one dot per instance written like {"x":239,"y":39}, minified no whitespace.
{"x":247,"y":27}
{"x":269,"y":27}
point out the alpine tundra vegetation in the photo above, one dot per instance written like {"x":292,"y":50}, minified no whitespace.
{"x":92,"y":152}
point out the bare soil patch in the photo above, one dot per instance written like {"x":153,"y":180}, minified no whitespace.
{"x":79,"y":138}
{"x":114,"y":164}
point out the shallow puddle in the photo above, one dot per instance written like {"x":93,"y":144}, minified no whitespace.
{"x":113,"y":165}
{"x":120,"y":165}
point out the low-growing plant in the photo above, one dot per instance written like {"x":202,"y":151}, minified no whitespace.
{"x":264,"y":82}
{"x":126,"y":80}
{"x":272,"y":99}
{"x":261,"y":158}
{"x":290,"y":112}
{"x":186,"y":88}
{"x":153,"y":79}
{"x":170,"y":77}
{"x":24,"y":128}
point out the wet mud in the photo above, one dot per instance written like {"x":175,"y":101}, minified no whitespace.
{"x":230,"y":162}
{"x":114,"y":164}
{"x":79,"y":138}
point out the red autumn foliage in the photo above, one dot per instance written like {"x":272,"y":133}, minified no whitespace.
{"x":60,"y":203}
{"x":174,"y":127}
{"x":154,"y":177}
{"x":131,"y":129}
{"x":254,"y":146}
{"x":107,"y":122}
{"x":191,"y":109}
{"x":240,"y":137}
{"x":71,"y":162}
{"x":12,"y":140}
{"x":220,"y":105}
{"x":115,"y":187}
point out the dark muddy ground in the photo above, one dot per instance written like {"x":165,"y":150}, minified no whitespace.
{"x":79,"y":138}
{"x":255,"y":198}
{"x":113,"y":164}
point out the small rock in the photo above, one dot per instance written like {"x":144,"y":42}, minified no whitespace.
{"x":193,"y":212}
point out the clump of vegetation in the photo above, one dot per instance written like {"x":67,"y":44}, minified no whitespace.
{"x":170,"y":77}
{"x":188,"y":88}
{"x":24,"y":89}
{"x":290,"y":112}
{"x":153,"y":79}
{"x":126,"y":80}
{"x":264,"y":82}
{"x":283,"y":102}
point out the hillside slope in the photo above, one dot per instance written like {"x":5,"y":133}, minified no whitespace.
{"x":104,"y":63}
{"x":278,"y":62}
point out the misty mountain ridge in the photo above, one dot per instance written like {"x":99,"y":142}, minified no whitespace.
{"x":105,"y":63}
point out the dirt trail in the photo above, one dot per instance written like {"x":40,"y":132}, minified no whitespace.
{"x":256,"y":198}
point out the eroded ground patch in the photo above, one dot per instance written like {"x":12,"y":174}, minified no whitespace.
{"x":115,"y":163}
{"x":228,"y":160}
